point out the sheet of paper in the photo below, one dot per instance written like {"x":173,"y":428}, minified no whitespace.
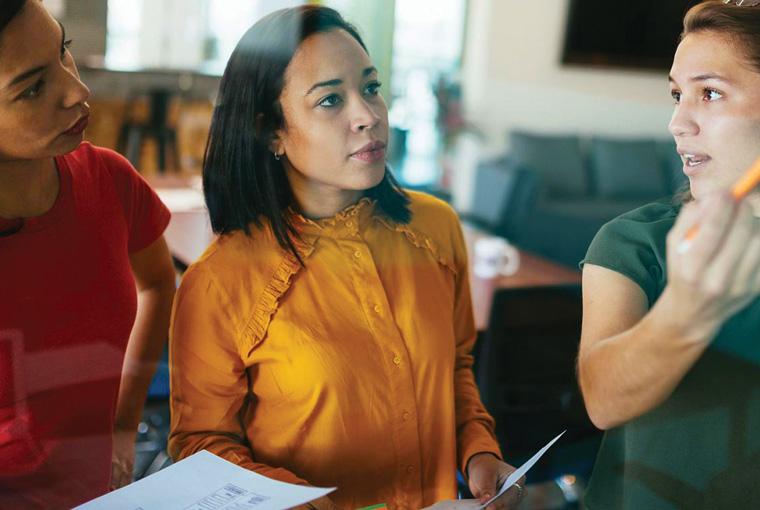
{"x":520,"y":472}
{"x":204,"y":481}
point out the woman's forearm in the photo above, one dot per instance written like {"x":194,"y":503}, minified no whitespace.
{"x":146,"y":344}
{"x":627,"y":375}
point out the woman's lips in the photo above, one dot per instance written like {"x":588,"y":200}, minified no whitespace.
{"x":693,"y":162}
{"x":79,"y":127}
{"x":370,"y":156}
{"x":373,"y":151}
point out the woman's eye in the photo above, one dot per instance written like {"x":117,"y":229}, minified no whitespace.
{"x":32,"y":91}
{"x":676,"y":95}
{"x":373,"y":88}
{"x":330,"y":101}
{"x":711,"y":95}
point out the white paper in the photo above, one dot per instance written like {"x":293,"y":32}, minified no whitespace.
{"x":520,"y":472}
{"x":204,"y":481}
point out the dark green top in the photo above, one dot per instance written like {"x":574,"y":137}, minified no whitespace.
{"x":701,"y":447}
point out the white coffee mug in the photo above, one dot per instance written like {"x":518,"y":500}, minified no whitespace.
{"x":494,"y":256}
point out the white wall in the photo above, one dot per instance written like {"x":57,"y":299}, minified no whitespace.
{"x":374,"y":21}
{"x":513,"y":78}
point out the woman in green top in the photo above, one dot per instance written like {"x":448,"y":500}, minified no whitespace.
{"x":669,"y":361}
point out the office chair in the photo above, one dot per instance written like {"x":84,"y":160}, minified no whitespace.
{"x":504,"y":193}
{"x":527,"y":379}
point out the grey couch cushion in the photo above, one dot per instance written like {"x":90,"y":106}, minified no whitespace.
{"x":627,"y":169}
{"x":557,"y":160}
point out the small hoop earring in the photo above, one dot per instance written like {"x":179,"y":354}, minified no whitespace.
{"x":277,"y":156}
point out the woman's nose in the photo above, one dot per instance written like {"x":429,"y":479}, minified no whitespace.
{"x":74,"y":91}
{"x":365,"y":116}
{"x":682,"y":123}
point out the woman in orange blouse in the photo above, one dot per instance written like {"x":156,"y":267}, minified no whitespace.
{"x":324,"y":338}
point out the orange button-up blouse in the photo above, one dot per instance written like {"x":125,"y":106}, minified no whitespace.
{"x":352,"y":371}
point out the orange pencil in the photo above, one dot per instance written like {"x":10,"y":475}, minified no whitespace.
{"x":743,"y":186}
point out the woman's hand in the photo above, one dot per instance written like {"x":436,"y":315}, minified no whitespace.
{"x":719,"y":273}
{"x":122,"y":458}
{"x":486,"y":474}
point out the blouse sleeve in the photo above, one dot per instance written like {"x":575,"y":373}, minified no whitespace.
{"x":475,"y":427}
{"x":634,"y":246}
{"x":209,"y":381}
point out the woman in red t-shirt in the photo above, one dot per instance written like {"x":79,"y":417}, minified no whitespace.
{"x":86,"y":280}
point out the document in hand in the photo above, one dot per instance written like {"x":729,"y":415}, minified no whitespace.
{"x":204,"y":481}
{"x":520,"y":472}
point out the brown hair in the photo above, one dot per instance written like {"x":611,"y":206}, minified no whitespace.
{"x":741,"y":22}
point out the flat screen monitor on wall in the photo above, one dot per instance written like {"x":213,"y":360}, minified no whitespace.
{"x":630,"y":33}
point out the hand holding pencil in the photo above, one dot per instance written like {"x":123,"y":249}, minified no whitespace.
{"x":718,"y":272}
{"x":741,"y":189}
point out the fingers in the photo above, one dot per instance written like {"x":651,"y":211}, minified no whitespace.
{"x":687,"y":220}
{"x":483,"y":485}
{"x":721,"y":273}
{"x":712,"y":217}
{"x":511,"y":498}
{"x":747,"y":271}
{"x":121,"y":474}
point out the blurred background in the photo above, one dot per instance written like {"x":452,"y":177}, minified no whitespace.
{"x":468,"y":82}
{"x":539,"y":121}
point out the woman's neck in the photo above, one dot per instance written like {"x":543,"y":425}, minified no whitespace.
{"x":27,"y":188}
{"x":317,"y":201}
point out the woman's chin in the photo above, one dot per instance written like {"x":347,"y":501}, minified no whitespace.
{"x":371,"y":178}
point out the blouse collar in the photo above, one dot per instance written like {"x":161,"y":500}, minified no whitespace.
{"x":346,"y":223}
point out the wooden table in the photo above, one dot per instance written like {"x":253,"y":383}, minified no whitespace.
{"x":534,"y":271}
{"x":189,"y":232}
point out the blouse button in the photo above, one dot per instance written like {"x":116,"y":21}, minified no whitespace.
{"x":357,"y":254}
{"x":405,"y":416}
{"x":377,"y":309}
{"x":350,"y":224}
{"x":397,"y":360}
{"x":409,"y":469}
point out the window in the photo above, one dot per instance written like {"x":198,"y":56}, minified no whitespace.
{"x":180,"y":34}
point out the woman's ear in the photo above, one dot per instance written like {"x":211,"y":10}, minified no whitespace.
{"x":273,"y":140}
{"x":276,"y":146}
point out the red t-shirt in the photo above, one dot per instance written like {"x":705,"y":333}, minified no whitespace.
{"x":67,"y":304}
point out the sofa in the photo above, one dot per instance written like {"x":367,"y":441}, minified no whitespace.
{"x":550,"y":194}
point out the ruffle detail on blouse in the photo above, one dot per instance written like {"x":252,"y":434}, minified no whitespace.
{"x":425,"y":242}
{"x":269,"y":301}
{"x":338,"y":218}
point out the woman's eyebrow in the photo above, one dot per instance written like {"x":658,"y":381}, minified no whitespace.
{"x":703,"y":77}
{"x":334,"y":83}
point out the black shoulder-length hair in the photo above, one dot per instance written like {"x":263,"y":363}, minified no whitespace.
{"x":242,"y":181}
